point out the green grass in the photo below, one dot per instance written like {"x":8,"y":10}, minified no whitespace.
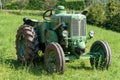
{"x":11,"y":69}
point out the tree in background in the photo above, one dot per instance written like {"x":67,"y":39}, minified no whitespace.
{"x":9,"y":4}
{"x":88,"y":2}
{"x":35,"y":4}
{"x":113,"y":15}
{"x":22,"y":4}
{"x":0,"y":4}
{"x":112,"y":8}
{"x":49,"y":4}
{"x":96,"y":14}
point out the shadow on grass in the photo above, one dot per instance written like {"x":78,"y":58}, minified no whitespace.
{"x":81,"y":66}
{"x":37,"y":70}
{"x":16,"y":65}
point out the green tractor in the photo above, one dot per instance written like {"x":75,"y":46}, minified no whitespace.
{"x":61,"y":37}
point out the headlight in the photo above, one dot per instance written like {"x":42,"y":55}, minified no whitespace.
{"x":65,"y":33}
{"x":91,"y":34}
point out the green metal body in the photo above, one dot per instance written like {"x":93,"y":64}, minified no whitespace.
{"x":69,"y":30}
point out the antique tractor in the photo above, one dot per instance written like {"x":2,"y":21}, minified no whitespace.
{"x":61,"y":37}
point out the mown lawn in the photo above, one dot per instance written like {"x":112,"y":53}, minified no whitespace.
{"x":11,"y":69}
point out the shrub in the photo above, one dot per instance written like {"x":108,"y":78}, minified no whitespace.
{"x":35,"y":4}
{"x":15,"y":4}
{"x":112,"y":8}
{"x":42,"y":4}
{"x":106,"y":16}
{"x":61,"y":2}
{"x":114,"y":23}
{"x":12,"y":5}
{"x":113,"y":16}
{"x":88,"y":2}
{"x":75,"y":4}
{"x":49,"y":4}
{"x":96,"y":14}
{"x":22,"y":4}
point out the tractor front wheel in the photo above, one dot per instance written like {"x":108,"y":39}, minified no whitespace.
{"x":26,"y":44}
{"x":100,"y":55}
{"x":54,"y":58}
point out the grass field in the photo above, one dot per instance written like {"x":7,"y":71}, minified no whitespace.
{"x":11,"y":69}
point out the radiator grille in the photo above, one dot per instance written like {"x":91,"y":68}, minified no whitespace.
{"x":82,"y":27}
{"x":75,"y":27}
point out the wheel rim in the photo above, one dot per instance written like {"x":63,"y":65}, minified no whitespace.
{"x":52,"y":58}
{"x":22,"y":45}
{"x":100,"y":53}
{"x":99,"y":56}
{"x":51,"y":61}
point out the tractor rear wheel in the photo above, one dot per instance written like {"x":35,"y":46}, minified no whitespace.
{"x":27,"y":44}
{"x":54,"y":58}
{"x":101,"y":55}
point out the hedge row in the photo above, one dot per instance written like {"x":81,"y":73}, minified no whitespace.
{"x":22,"y":4}
{"x":41,"y":4}
{"x":74,"y":5}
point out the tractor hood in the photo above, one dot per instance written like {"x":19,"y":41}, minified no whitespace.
{"x":74,"y":23}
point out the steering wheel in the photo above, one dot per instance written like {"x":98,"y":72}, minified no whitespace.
{"x":47,"y":14}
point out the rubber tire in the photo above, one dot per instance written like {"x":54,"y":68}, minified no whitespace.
{"x":59,"y":60}
{"x":107,"y":54}
{"x":62,"y":70}
{"x":32,"y":44}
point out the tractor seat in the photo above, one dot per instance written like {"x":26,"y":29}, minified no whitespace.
{"x":27,"y":20}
